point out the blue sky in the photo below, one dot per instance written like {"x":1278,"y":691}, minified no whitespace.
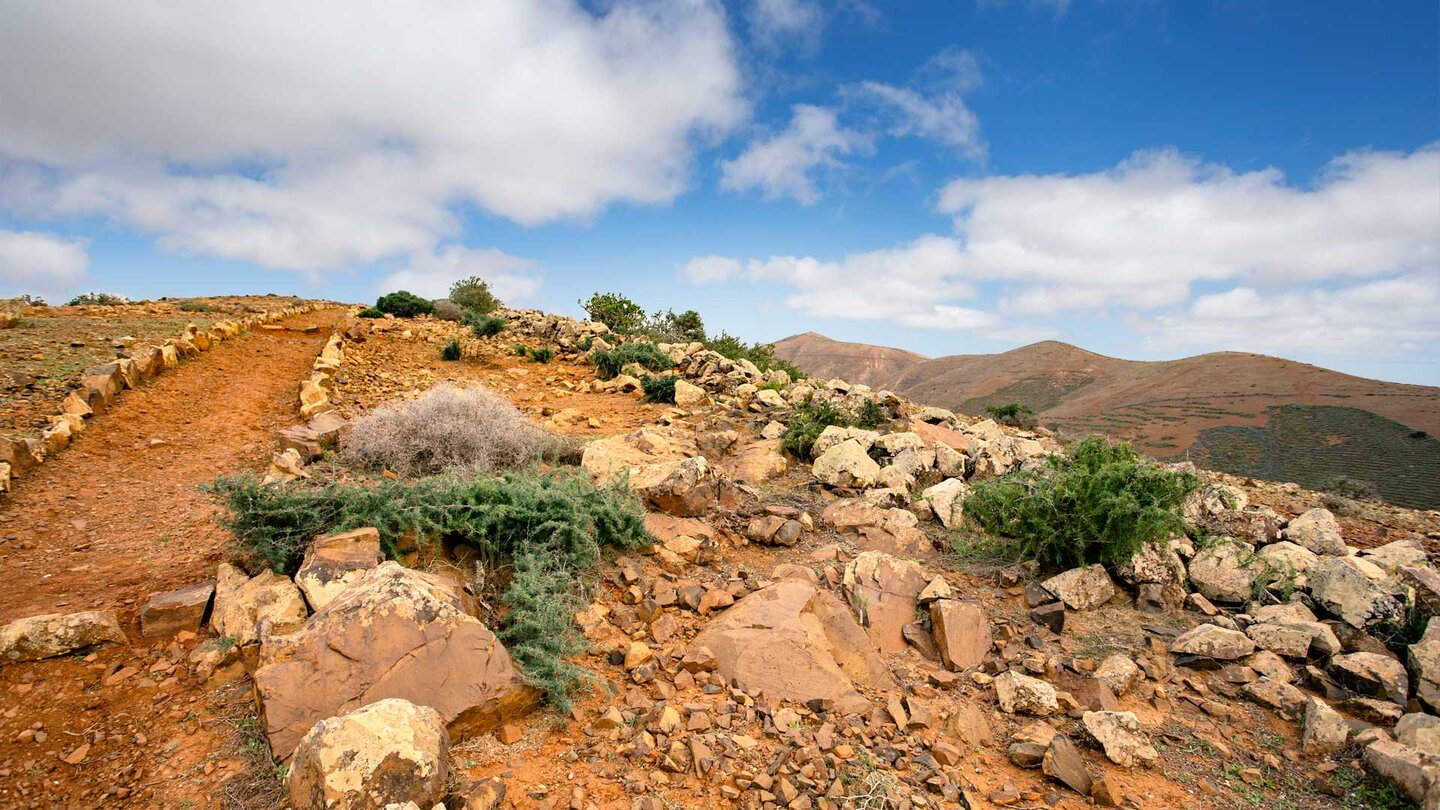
{"x":1145,"y":179}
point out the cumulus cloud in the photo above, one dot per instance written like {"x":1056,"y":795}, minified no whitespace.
{"x":277,"y":136}
{"x":1139,"y":235}
{"x":931,"y":106}
{"x":785,"y":164}
{"x":40,"y":263}
{"x":430,"y":275}
{"x":775,"y":23}
{"x":710,"y":269}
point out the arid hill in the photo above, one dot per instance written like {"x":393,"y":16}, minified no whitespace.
{"x":1223,"y":410}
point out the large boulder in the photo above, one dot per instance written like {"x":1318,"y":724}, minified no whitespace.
{"x":397,"y":633}
{"x":335,"y":562}
{"x":962,"y":633}
{"x":1318,"y":531}
{"x":1022,"y":694}
{"x":795,"y":642}
{"x":38,"y":637}
{"x":947,"y":500}
{"x":166,"y":614}
{"x":384,"y":754}
{"x":1224,"y":571}
{"x":846,"y":465}
{"x":1372,"y":675}
{"x":1212,"y":641}
{"x":1424,"y":658}
{"x":1081,"y":588}
{"x":687,"y":488}
{"x":249,"y":608}
{"x":884,"y":592}
{"x":1118,"y":733}
{"x":1355,"y":598}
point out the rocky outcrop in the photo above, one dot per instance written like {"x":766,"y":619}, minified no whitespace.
{"x":248,"y":608}
{"x":395,"y":633}
{"x":1317,"y":530}
{"x":884,"y":593}
{"x":381,"y":755}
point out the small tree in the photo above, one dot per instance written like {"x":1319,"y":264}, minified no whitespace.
{"x":615,"y":311}
{"x":686,"y":327}
{"x":474,"y":294}
{"x":404,"y":304}
{"x":1013,"y":414}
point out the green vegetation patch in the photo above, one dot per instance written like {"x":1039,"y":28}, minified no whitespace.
{"x":404,"y":304}
{"x":609,"y":362}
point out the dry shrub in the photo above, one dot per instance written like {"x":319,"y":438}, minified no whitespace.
{"x":447,"y":429}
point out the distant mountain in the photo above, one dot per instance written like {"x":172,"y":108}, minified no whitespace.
{"x":1248,"y":414}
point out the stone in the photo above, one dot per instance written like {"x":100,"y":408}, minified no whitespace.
{"x":1277,"y":695}
{"x":834,"y":436}
{"x":1286,"y":554}
{"x":395,"y":633}
{"x":1424,"y":657}
{"x":1290,"y":642}
{"x":246,"y":608}
{"x":1022,"y":694}
{"x":1028,"y":746}
{"x":947,"y":500}
{"x":689,"y":395}
{"x":1317,"y":530}
{"x":166,"y":614}
{"x":1082,"y":588}
{"x":1155,"y":563}
{"x":1063,"y":763}
{"x":1212,"y":641}
{"x":1404,"y":766}
{"x":884,"y":592}
{"x":390,"y":752}
{"x":962,"y":633}
{"x":1407,"y":552}
{"x":1372,"y":675}
{"x":796,"y":642}
{"x":1119,"y":735}
{"x":486,"y":794}
{"x":1326,"y":731}
{"x":1224,"y":571}
{"x":846,"y":465}
{"x":686,"y":488}
{"x":1118,"y":672}
{"x":937,"y":589}
{"x":1419,"y":731}
{"x":53,"y":634}
{"x":757,"y":462}
{"x":335,"y":562}
{"x":1051,"y":617}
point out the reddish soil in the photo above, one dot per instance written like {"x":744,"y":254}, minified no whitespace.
{"x":103,"y":525}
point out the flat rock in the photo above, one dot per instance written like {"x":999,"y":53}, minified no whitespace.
{"x":335,"y":562}
{"x":1082,"y":588}
{"x":962,"y":633}
{"x":1372,"y":675}
{"x":166,"y":614}
{"x":1119,"y":735}
{"x":1063,"y":763}
{"x":39,"y":637}
{"x":1212,"y":641}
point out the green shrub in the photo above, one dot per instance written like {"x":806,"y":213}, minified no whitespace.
{"x":772,"y":385}
{"x":608,"y":362}
{"x":195,"y":306}
{"x":544,"y":354}
{"x":450,"y":351}
{"x":520,"y":350}
{"x":485,"y":325}
{"x":370,"y":312}
{"x":761,"y":354}
{"x":871,"y":415}
{"x":615,"y":311}
{"x":97,"y":299}
{"x":1099,"y":503}
{"x":668,"y":327}
{"x":659,"y":389}
{"x":473,"y":294}
{"x":403,"y":304}
{"x":1352,"y":488}
{"x":808,"y":421}
{"x":1013,"y":414}
{"x":551,"y":527}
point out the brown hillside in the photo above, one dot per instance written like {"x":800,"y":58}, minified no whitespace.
{"x":822,"y":357}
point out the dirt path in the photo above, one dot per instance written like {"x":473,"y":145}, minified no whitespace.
{"x":114,"y":518}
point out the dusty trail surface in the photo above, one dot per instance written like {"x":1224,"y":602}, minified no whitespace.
{"x":116,"y":517}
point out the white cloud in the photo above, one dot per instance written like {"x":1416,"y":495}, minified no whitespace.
{"x":1139,"y":235}
{"x":430,"y":275}
{"x":40,"y":263}
{"x":710,"y":269}
{"x":1376,"y":317}
{"x":942,"y":117}
{"x":783,"y":165}
{"x":774,"y":23}
{"x":325,"y":134}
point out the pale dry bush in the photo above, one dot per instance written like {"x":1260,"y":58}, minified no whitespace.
{"x":447,"y":429}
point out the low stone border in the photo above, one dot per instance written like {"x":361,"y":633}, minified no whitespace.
{"x":101,"y":385}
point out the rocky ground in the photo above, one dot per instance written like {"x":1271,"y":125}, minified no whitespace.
{"x":799,"y":634}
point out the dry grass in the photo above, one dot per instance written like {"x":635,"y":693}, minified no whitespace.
{"x":448,"y":429}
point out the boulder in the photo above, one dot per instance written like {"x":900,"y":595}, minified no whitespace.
{"x":1224,"y":571}
{"x":1325,"y":730}
{"x":1081,"y":588}
{"x":1118,"y":733}
{"x":396,"y":633}
{"x":757,"y":462}
{"x":38,"y":637}
{"x":1212,"y":641}
{"x":1317,"y":530}
{"x":1155,"y":564}
{"x":1407,"y":552}
{"x":846,"y":465}
{"x":1424,"y":657}
{"x":1022,"y":694}
{"x":1276,"y":695}
{"x":166,"y":614}
{"x":1407,"y":768}
{"x":962,"y":633}
{"x":1290,"y":642}
{"x":1372,"y":675}
{"x":335,"y":562}
{"x":889,"y":529}
{"x":834,"y":436}
{"x":1353,"y":597}
{"x":686,"y":488}
{"x":795,"y":642}
{"x":246,"y":608}
{"x":1119,"y":673}
{"x":884,"y":592}
{"x":688,"y":395}
{"x":1420,"y":731}
{"x":387,"y":753}
{"x":1063,"y":763}
{"x":1028,"y":746}
{"x":947,"y":500}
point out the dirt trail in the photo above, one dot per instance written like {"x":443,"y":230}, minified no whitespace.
{"x":118,"y":515}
